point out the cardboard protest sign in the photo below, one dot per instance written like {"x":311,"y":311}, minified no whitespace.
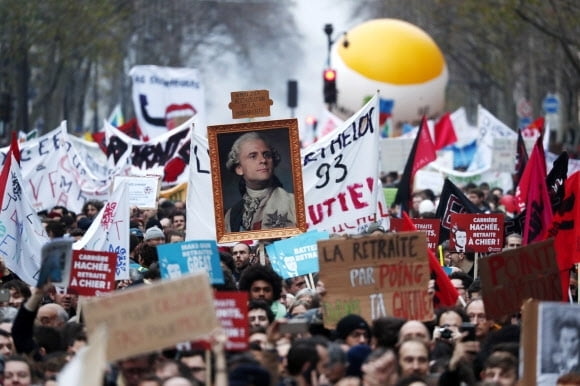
{"x":151,"y":317}
{"x":178,"y":259}
{"x":250,"y":104}
{"x":92,"y":272}
{"x":550,"y":332}
{"x":376,"y":276}
{"x":56,"y":262}
{"x":297,"y":255}
{"x":476,"y":232}
{"x":231,"y":308}
{"x":142,"y":192}
{"x":510,"y":277}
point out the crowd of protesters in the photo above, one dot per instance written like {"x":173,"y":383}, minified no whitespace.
{"x":41,"y":331}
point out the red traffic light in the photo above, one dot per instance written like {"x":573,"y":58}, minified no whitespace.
{"x":329,"y":75}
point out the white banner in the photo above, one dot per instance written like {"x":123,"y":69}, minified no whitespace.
{"x":166,"y":155}
{"x":54,"y":173}
{"x":109,"y":231}
{"x":489,"y":128}
{"x":340,"y":174}
{"x":163,"y":97}
{"x":21,"y":232}
{"x":200,"y":205}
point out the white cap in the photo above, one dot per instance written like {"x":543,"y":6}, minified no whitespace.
{"x":426,"y":206}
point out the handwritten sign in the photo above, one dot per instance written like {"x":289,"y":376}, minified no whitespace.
{"x":342,"y":194}
{"x":92,"y":272}
{"x":476,"y":232}
{"x":178,"y":259}
{"x":232,"y":311}
{"x":250,"y":104}
{"x":510,"y":277}
{"x":150,"y":317}
{"x":376,"y":276}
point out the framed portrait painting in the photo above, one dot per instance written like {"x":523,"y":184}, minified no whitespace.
{"x":550,"y":344}
{"x":257,"y":180}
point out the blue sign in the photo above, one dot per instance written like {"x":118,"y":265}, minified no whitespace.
{"x":297,"y":255}
{"x":178,"y":259}
{"x":524,"y":122}
{"x":551,"y":104}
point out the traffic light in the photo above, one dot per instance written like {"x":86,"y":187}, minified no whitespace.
{"x":329,"y":86}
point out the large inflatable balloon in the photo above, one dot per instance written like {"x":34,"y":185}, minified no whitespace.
{"x":398,"y":59}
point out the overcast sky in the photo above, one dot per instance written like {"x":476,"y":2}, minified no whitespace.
{"x":311,"y":17}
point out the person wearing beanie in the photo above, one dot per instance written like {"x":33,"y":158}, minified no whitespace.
{"x":154,"y":236}
{"x":356,"y":356}
{"x":353,"y":330}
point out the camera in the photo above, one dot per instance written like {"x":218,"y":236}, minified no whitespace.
{"x":470,"y":328}
{"x":445,"y":333}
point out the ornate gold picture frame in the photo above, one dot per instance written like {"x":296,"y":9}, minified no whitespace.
{"x":232,"y":199}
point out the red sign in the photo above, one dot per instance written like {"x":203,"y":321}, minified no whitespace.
{"x":476,"y":232}
{"x":92,"y":272}
{"x":396,"y":224}
{"x":231,"y":308}
{"x":431,"y":227}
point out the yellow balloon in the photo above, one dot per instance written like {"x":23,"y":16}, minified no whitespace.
{"x":398,"y":59}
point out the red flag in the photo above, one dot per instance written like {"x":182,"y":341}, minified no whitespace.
{"x":567,"y":240}
{"x":444,"y":132}
{"x":523,"y":188}
{"x":538,"y":220}
{"x":422,"y":153}
{"x":445,"y":293}
{"x":567,"y":234}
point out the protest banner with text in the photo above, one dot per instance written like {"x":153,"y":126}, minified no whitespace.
{"x":341,"y":175}
{"x":163,"y":96}
{"x":92,"y":272}
{"x":297,"y":255}
{"x":152,"y":317}
{"x":178,"y":259}
{"x":376,"y":276}
{"x":477,"y":232}
{"x":231,"y":308}
{"x":510,"y":277}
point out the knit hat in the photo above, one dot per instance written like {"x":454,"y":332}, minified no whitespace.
{"x":84,"y":223}
{"x":136,"y":231}
{"x":249,"y":374}
{"x":375,"y":226}
{"x":356,"y":356}
{"x":349,"y":323}
{"x":154,"y":233}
